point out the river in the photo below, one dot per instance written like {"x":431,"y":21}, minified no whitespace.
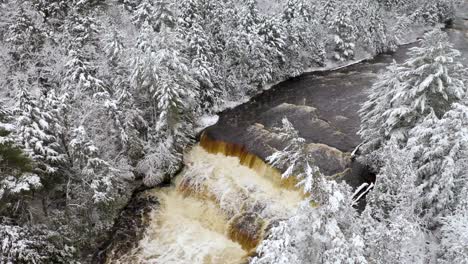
{"x":220,"y":206}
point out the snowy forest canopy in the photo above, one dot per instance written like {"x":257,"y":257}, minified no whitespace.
{"x":99,"y":96}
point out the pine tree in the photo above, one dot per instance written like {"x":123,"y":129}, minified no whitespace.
{"x":80,"y":76}
{"x":273,"y":35}
{"x":24,"y":36}
{"x":250,"y":16}
{"x":83,"y":30}
{"x":329,"y":8}
{"x":393,"y":231}
{"x":432,"y":78}
{"x":174,"y":92}
{"x":321,"y":234}
{"x":158,"y":14}
{"x":114,"y":47}
{"x":95,"y":173}
{"x":15,"y":166}
{"x":344,"y":34}
{"x":164,"y":75}
{"x":305,"y":41}
{"x":33,"y":244}
{"x":324,"y":234}
{"x":441,"y":156}
{"x":454,"y":237}
{"x":160,"y":162}
{"x":52,"y":9}
{"x":375,"y":31}
{"x":201,"y":54}
{"x":295,"y":159}
{"x":428,"y":83}
{"x":372,"y":112}
{"x":38,"y":129}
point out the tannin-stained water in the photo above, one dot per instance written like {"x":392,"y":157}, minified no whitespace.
{"x":215,"y":213}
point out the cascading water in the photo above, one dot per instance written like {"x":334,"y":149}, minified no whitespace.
{"x":217,"y":210}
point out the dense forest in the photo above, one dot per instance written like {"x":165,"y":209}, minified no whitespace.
{"x":100,"y":97}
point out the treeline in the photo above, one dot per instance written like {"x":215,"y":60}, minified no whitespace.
{"x":98,"y":95}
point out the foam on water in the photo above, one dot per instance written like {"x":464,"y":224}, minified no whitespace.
{"x":215,"y":213}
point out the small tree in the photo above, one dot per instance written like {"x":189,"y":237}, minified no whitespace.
{"x":295,"y":158}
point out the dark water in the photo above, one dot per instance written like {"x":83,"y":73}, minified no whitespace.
{"x":335,"y":95}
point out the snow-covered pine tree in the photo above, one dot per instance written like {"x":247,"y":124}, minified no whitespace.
{"x":343,"y":33}
{"x":432,"y":80}
{"x":390,"y":4}
{"x":374,"y":29}
{"x":321,"y":230}
{"x":38,"y":131}
{"x":328,"y":10}
{"x":201,"y":54}
{"x":163,"y":76}
{"x":15,"y":166}
{"x":114,"y":46}
{"x":24,"y":36}
{"x":55,"y":10}
{"x":250,"y":16}
{"x":305,"y":40}
{"x":162,"y":73}
{"x":157,"y":14}
{"x":33,"y":244}
{"x":454,"y":236}
{"x":175,"y":91}
{"x":265,"y":48}
{"x":83,"y":30}
{"x":273,"y":35}
{"x":95,"y":173}
{"x":440,"y":147}
{"x":160,"y":162}
{"x":393,"y":232}
{"x":295,"y":159}
{"x":438,"y":11}
{"x":80,"y":77}
{"x":144,"y":12}
{"x":130,"y":5}
{"x":329,"y":233}
{"x":372,"y":113}
{"x":428,"y":83}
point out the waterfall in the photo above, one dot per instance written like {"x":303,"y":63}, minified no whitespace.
{"x":218,"y":209}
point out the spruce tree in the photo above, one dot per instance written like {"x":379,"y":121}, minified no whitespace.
{"x":390,"y":221}
{"x":15,"y":167}
{"x":426,"y":84}
{"x":344,"y":34}
{"x":175,"y":91}
{"x":295,"y":159}
{"x":440,"y":147}
{"x":38,"y":129}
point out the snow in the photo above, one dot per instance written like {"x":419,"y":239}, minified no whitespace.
{"x":7,"y":127}
{"x":206,"y":121}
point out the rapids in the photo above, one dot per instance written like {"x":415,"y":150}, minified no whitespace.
{"x":216,"y":212}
